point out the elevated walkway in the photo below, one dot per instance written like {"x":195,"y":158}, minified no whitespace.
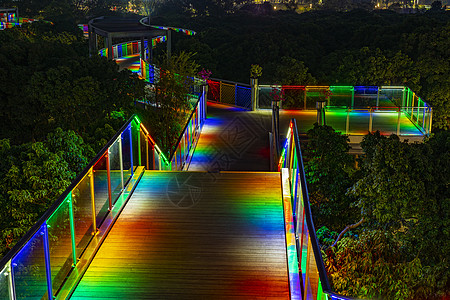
{"x":194,"y":235}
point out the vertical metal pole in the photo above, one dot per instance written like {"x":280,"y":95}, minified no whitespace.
{"x":90,"y":38}
{"x":139,"y":146}
{"x":398,"y":120}
{"x":120,"y":158}
{"x":431,"y":119}
{"x":404,"y":96}
{"x":378,"y":97}
{"x":72,"y":229}
{"x":110,"y":49}
{"x":235,"y":95}
{"x":94,"y":222}
{"x":304,"y":104}
{"x":347,"y":123}
{"x":169,"y":44}
{"x":148,"y":157}
{"x":353,"y":97}
{"x":47,"y":261}
{"x":142,"y":49}
{"x":370,"y":119}
{"x":108,"y":176}
{"x":131,"y":150}
{"x":11,"y":289}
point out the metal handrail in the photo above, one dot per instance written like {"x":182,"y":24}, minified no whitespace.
{"x":287,"y":161}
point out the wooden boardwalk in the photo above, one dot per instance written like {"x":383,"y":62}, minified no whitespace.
{"x":194,"y":235}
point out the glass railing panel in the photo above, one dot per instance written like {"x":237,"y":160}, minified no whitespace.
{"x":60,"y":244}
{"x":29,"y":268}
{"x":358,"y":121}
{"x":303,"y":245}
{"x":126,"y":154}
{"x":146,"y":151}
{"x":294,"y":98}
{"x":385,"y":120}
{"x":4,"y":283}
{"x":336,"y":117}
{"x":313,"y":274}
{"x":115,"y":164}
{"x":137,"y":155}
{"x":101,"y":196}
{"x":265,"y":97}
{"x":83,"y":214}
{"x":157,"y":159}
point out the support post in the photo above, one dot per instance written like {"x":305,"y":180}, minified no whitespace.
{"x":320,"y":106}
{"x":378,"y":97}
{"x":353,"y":97}
{"x":142,"y":49}
{"x":121,"y":159}
{"x":304,"y":101}
{"x":91,"y":183}
{"x":347,"y":123}
{"x":398,"y":121}
{"x":255,"y":93}
{"x":169,"y":44}
{"x":205,"y":105}
{"x":110,"y":47}
{"x":370,"y":119}
{"x":108,"y":175}
{"x":90,"y":38}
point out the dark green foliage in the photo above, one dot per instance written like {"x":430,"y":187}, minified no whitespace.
{"x":329,"y":170}
{"x":171,"y":99}
{"x":352,"y":48}
{"x":59,"y":108}
{"x":45,"y":83}
{"x":402,"y":193}
{"x":372,"y":266}
{"x":32,"y":176}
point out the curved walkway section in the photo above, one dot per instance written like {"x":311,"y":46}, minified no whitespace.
{"x":194,"y":235}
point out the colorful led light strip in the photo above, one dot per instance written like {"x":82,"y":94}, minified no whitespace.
{"x":185,"y":31}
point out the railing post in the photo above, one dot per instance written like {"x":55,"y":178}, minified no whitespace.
{"x":72,"y":229}
{"x":304,"y":104}
{"x":378,"y":97}
{"x":370,"y":119}
{"x":431,"y":119}
{"x":130,"y":128}
{"x":139,"y":146}
{"x":11,"y":289}
{"x":398,"y":120}
{"x":353,"y":97}
{"x":235,"y":94}
{"x":47,"y":261}
{"x":204,"y":99}
{"x":91,"y":183}
{"x":108,"y":176}
{"x":347,"y":123}
{"x":254,"y":93}
{"x":121,"y":159}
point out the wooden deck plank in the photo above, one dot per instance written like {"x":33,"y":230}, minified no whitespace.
{"x":194,"y":236}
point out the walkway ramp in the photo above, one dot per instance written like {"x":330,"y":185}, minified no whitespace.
{"x":233,"y":139}
{"x":195,"y":235}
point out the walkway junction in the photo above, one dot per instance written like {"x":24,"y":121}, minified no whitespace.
{"x":217,"y":219}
